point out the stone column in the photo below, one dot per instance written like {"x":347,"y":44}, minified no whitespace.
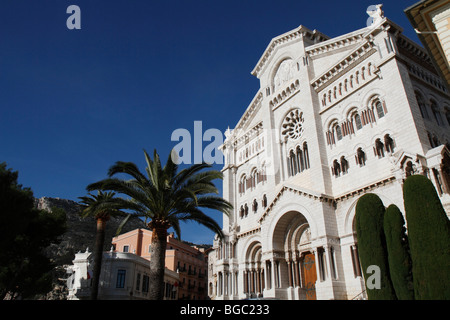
{"x":289,"y":266}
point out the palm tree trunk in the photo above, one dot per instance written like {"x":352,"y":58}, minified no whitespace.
{"x":158,"y":260}
{"x":98,"y":255}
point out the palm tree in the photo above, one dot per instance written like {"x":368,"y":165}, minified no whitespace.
{"x":101,"y":206}
{"x":166,"y":197}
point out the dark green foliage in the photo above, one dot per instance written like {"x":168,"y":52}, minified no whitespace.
{"x":429,"y":239}
{"x":25,"y":270}
{"x":398,"y":253}
{"x":372,"y":245}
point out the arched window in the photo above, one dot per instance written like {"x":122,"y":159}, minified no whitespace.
{"x":338,"y":130}
{"x":293,"y":163}
{"x":344,"y":165}
{"x":300,"y":162}
{"x":360,"y":157}
{"x":241,"y":212}
{"x":306,"y":155}
{"x":409,"y":170}
{"x":253,"y":178}
{"x":255,"y":206}
{"x":379,"y":108}
{"x":242,"y":184}
{"x":358,"y":121}
{"x":264,"y":201}
{"x":422,"y":106}
{"x":436,"y":113}
{"x":245,"y":210}
{"x":379,"y":148}
{"x":336,"y":168}
{"x":389,"y":143}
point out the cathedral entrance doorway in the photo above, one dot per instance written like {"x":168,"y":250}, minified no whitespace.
{"x":309,"y":275}
{"x":295,"y":264}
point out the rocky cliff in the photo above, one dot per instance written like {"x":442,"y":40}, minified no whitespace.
{"x":80,"y":232}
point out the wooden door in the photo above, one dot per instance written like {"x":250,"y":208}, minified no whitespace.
{"x":309,"y":276}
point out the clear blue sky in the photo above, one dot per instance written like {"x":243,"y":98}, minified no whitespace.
{"x":73,"y":102}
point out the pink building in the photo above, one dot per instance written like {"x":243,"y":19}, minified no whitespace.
{"x":189,"y":261}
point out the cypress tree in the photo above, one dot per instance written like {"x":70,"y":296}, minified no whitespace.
{"x":398,"y":253}
{"x":429,"y":239}
{"x":372,"y":245}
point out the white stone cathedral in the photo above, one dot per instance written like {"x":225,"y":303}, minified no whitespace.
{"x":334,"y":118}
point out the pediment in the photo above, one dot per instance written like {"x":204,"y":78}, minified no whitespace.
{"x":285,"y":38}
{"x":302,"y":192}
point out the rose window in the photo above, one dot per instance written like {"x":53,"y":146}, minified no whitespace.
{"x":293,"y":124}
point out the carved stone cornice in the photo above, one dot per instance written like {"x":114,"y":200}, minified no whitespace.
{"x":254,"y":105}
{"x":358,"y":55}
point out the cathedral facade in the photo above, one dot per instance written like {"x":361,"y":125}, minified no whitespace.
{"x":334,"y":118}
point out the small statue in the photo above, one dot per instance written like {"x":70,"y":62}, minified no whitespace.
{"x":376,"y":14}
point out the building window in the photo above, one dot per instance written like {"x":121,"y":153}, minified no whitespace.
{"x":344,"y":165}
{"x":145,"y":282}
{"x":292,"y":164}
{"x":360,"y":157}
{"x":434,"y":141}
{"x":298,"y":161}
{"x":264,"y":201}
{"x":242,"y":184}
{"x":120,"y":283}
{"x":126,"y":248}
{"x":336,"y":168}
{"x":422,"y":106}
{"x":379,"y":108}
{"x":436,"y":113}
{"x":358,"y":121}
{"x":338,"y":130}
{"x":255,"y":206}
{"x":138,"y":282}
{"x":379,"y":148}
{"x":389,"y":143}
{"x":306,"y":155}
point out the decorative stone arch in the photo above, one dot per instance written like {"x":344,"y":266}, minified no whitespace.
{"x":288,"y":210}
{"x":285,"y":57}
{"x":295,"y":231}
{"x":370,"y":96}
{"x":335,"y":117}
{"x":254,"y":252}
{"x":252,"y":267}
{"x":248,"y":245}
{"x":421,"y":92}
{"x":350,"y":110}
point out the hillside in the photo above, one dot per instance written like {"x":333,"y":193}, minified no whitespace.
{"x":80,"y":232}
{"x":80,"y":235}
